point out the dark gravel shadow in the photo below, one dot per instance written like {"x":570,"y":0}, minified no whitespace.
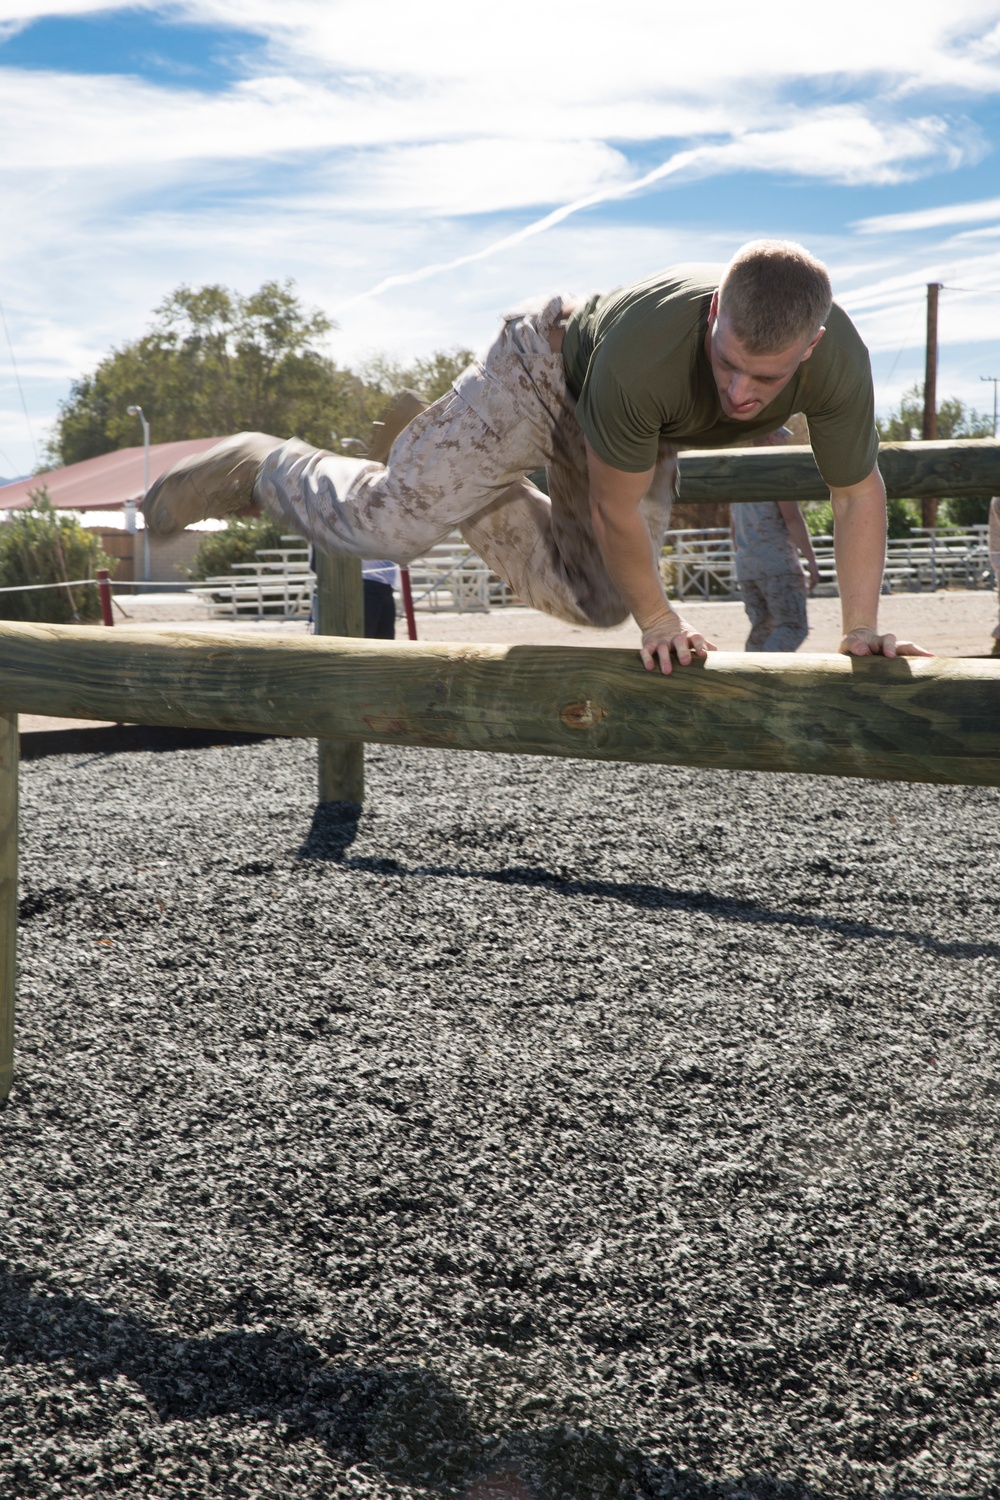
{"x":540,"y":1131}
{"x":333,"y":830}
{"x":407,"y":1425}
{"x":659,"y":898}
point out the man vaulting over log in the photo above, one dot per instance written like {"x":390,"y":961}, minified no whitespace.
{"x":601,"y":393}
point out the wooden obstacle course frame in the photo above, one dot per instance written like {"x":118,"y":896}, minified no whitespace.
{"x":910,"y":719}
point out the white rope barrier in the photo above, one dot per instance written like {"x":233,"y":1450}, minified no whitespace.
{"x":79,"y":583}
{"x":27,"y":588}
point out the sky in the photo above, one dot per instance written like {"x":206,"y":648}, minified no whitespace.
{"x":417,"y":171}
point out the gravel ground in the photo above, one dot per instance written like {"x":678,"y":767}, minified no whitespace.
{"x":554,"y":1130}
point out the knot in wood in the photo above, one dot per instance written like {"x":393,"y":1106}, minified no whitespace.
{"x":583,"y":715}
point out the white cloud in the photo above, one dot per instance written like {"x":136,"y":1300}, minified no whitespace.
{"x":522,"y":46}
{"x":474,"y":176}
{"x":931,"y":218}
{"x":971,"y":235}
{"x":371,"y":148}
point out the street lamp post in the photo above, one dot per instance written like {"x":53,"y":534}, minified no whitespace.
{"x":994,"y":379}
{"x":137,"y":411}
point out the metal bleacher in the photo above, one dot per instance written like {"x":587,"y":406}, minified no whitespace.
{"x":697,"y":564}
{"x":701,"y":564}
{"x":279,"y":583}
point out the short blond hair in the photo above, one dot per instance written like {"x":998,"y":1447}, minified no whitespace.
{"x":775,"y":295}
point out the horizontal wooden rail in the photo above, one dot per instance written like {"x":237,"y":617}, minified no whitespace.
{"x":909,"y":720}
{"x":912,"y":471}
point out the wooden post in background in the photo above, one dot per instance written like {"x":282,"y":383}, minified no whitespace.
{"x":8,"y":895}
{"x":340,"y":610}
{"x":929,"y":505}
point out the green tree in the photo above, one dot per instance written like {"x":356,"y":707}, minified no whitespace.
{"x":379,"y":381}
{"x":40,"y":546}
{"x":216,"y":362}
{"x":432,"y":376}
{"x":954,"y":419}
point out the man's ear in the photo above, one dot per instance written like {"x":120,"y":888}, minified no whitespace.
{"x":713,"y":310}
{"x":813,"y":344}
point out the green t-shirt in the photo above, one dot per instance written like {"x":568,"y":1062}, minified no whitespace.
{"x":635,"y":360}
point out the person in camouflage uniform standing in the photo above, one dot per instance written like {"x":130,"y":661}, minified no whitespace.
{"x":768,"y":537}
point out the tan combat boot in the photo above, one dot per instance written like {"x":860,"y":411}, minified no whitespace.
{"x":406,"y":406}
{"x":218,"y":482}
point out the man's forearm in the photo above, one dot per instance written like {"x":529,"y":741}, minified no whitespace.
{"x":629,"y":555}
{"x":859,"y":546}
{"x":623,"y":537}
{"x":627,"y":550}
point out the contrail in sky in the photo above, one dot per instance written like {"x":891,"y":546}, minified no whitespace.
{"x":406,"y":278}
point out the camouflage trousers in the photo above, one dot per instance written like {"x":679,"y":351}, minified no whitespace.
{"x":462,"y":463}
{"x":776,"y":605}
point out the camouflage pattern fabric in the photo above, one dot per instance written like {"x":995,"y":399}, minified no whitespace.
{"x":776,"y":605}
{"x":763,"y":545}
{"x":462,"y":463}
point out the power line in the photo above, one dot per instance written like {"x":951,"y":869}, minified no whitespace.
{"x":905,"y":345}
{"x":17,"y":377}
{"x":7,"y":459}
{"x":972,"y":291}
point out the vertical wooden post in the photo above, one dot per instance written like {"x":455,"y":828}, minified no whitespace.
{"x":407,"y":593}
{"x":340,"y":610}
{"x":929,"y":507}
{"x":104,"y":589}
{"x":8,"y":895}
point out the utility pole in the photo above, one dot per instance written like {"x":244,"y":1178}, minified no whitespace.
{"x":929,"y":507}
{"x":994,"y":379}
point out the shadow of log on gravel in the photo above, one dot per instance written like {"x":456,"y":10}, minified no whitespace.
{"x":407,"y":1424}
{"x":123,"y":739}
{"x":664,"y":898}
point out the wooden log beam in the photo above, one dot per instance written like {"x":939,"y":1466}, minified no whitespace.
{"x":8,"y":895}
{"x":911,"y":471}
{"x":914,"y":719}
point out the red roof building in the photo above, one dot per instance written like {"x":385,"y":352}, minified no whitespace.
{"x":104,"y":483}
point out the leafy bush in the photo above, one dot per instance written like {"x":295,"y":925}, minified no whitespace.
{"x":900,"y":516}
{"x":220,"y":550}
{"x":41,"y":545}
{"x":964,"y":511}
{"x":819,"y":517}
